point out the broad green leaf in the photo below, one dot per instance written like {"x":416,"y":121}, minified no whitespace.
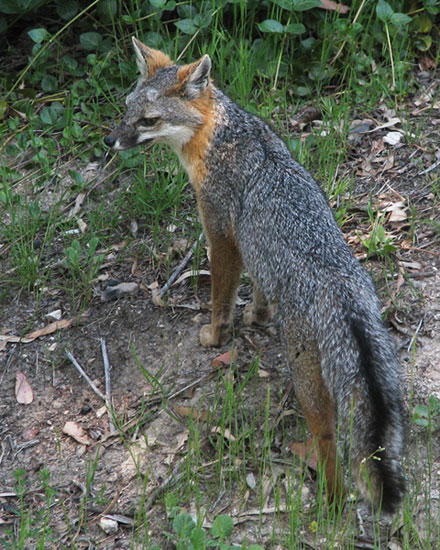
{"x":303,"y":5}
{"x":271,"y":25}
{"x":90,"y":40}
{"x":10,"y":6}
{"x":384,"y":11}
{"x":107,"y":10}
{"x":186,"y":26}
{"x":38,"y":35}
{"x":400,"y":19}
{"x":158,"y":3}
{"x":222,"y":527}
{"x":3,"y":108}
{"x":202,"y":21}
{"x":3,"y":25}
{"x":295,"y":28}
{"x":421,"y":23}
{"x":48,"y":115}
{"x":49,"y":83}
{"x":67,"y":10}
{"x":183,"y":524}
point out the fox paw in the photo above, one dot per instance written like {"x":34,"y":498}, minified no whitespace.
{"x":210,"y":338}
{"x":257,"y":316}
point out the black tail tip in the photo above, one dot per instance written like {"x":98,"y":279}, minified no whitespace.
{"x":392,"y":494}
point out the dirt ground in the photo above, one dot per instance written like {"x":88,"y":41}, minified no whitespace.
{"x":164,"y":340}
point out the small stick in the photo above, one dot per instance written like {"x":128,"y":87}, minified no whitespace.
{"x":84,"y":375}
{"x":181,"y":266}
{"x":415,"y":335}
{"x":430,"y":169}
{"x":108,"y":399}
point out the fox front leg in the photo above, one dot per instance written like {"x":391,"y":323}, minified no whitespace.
{"x":226,"y":267}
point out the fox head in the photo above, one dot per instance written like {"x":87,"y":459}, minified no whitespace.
{"x":169,"y":105}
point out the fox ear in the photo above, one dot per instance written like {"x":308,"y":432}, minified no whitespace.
{"x":195,"y":77}
{"x":148,"y":60}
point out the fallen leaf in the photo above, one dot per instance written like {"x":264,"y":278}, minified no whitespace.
{"x":112,"y":292}
{"x":225,"y":359}
{"x":192,"y":273}
{"x":191,"y":412}
{"x":155,"y":294}
{"x":307,"y":452}
{"x":334,"y":6}
{"x":397,"y":212}
{"x":392,"y":138}
{"x":48,"y":329}
{"x":74,"y":430}
{"x":23,"y":390}
{"x":31,"y":433}
{"x":226,"y":433}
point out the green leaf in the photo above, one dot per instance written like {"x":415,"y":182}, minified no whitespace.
{"x":198,"y":539}
{"x":183,"y":524}
{"x":67,"y":10}
{"x":400,"y":19}
{"x":271,"y":25}
{"x":38,"y":35}
{"x":295,"y":28}
{"x":3,"y":25}
{"x":3,"y":108}
{"x":10,"y":6}
{"x":222,"y":527}
{"x":304,"y":5}
{"x":107,"y":10}
{"x":202,"y":21}
{"x":421,"y":23}
{"x":48,"y":115}
{"x":49,"y":83}
{"x":90,"y":40}
{"x":384,"y":11}
{"x":158,"y":3}
{"x":186,"y":26}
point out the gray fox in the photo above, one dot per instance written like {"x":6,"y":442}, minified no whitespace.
{"x":264,"y":211}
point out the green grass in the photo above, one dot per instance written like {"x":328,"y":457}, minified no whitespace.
{"x":63,"y":100}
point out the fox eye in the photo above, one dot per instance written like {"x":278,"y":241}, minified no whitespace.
{"x":148,"y":122}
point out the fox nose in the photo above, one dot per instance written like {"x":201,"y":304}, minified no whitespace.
{"x":109,"y":140}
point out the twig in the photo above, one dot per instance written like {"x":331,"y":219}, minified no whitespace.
{"x":108,"y":399}
{"x":181,"y":266}
{"x":432,"y":167}
{"x":84,"y":375}
{"x":415,"y":335}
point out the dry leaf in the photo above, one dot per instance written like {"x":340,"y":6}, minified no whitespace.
{"x":112,"y":292}
{"x":23,"y":390}
{"x":397,"y":212}
{"x":334,"y":6}
{"x":192,"y":273}
{"x":48,"y":329}
{"x":225,"y":359}
{"x":74,"y":430}
{"x":307,"y":452}
{"x":155,"y":294}
{"x":225,"y":433}
{"x":191,"y":412}
{"x":392,"y":138}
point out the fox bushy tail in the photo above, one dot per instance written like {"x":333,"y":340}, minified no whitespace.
{"x":364,"y":378}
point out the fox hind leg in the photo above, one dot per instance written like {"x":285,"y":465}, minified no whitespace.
{"x":259,"y":311}
{"x":319,"y":412}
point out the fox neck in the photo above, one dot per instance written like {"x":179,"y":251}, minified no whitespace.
{"x":192,"y":153}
